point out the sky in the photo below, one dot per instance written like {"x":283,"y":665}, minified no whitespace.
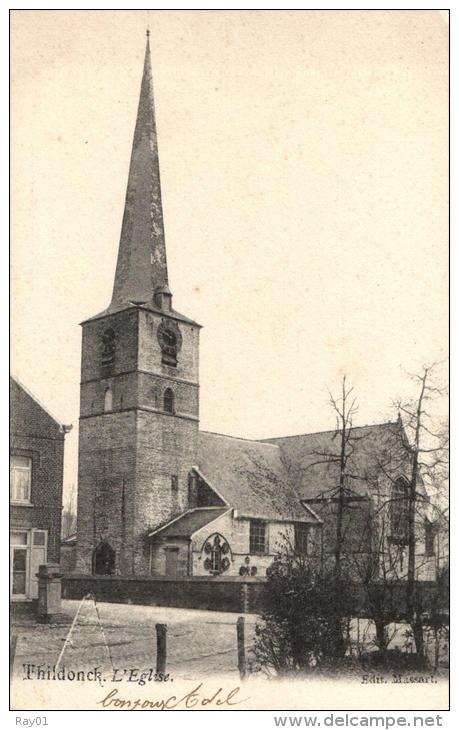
{"x":304,"y":169}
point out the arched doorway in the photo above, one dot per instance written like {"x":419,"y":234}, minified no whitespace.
{"x":103,"y":560}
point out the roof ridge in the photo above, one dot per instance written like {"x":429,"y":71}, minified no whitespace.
{"x":330,"y":430}
{"x":240,"y":438}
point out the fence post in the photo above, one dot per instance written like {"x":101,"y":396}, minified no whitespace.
{"x":241,"y":646}
{"x":161,"y":649}
{"x":13,"y":642}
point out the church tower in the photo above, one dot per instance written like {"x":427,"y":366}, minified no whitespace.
{"x":139,"y":397}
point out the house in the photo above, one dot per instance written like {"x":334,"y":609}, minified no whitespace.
{"x":156,"y":495}
{"x":36,"y":473}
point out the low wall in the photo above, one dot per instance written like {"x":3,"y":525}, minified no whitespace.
{"x":241,"y":595}
{"x":224,"y":593}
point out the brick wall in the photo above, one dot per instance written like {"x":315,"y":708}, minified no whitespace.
{"x":34,"y":433}
{"x":211,"y":594}
{"x":241,"y":595}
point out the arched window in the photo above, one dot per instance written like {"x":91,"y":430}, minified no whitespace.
{"x":216,"y":556}
{"x":217,"y":551}
{"x":108,"y":400}
{"x":108,"y":352}
{"x":399,"y":509}
{"x":169,"y":400}
{"x":103,"y":559}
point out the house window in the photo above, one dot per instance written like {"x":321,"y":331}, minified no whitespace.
{"x":429,"y":539}
{"x":107,"y":360}
{"x":257,"y":537}
{"x":19,"y":564}
{"x":301,"y":538}
{"x":174,"y":483}
{"x":20,"y":478}
{"x":169,"y":400}
{"x":399,"y":508}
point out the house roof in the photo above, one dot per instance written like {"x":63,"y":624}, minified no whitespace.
{"x":16,"y":384}
{"x":314,"y":478}
{"x":190,"y":522}
{"x":251,"y":477}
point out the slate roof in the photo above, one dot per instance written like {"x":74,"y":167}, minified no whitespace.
{"x":272,"y":479}
{"x":377,"y":443}
{"x":251,"y":477}
{"x":148,"y":306}
{"x":190,"y":522}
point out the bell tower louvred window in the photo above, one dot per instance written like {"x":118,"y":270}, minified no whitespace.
{"x":108,"y":352}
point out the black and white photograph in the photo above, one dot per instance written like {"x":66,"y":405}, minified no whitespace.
{"x":229,"y":409}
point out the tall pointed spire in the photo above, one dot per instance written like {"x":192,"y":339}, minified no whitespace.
{"x":141,"y":269}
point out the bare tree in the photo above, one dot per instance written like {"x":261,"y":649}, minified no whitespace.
{"x":341,"y":494}
{"x":417,"y":459}
{"x":427,"y":449}
{"x":69,"y":516}
{"x":344,"y":407}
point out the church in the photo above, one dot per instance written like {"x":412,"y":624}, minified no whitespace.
{"x":156,"y":495}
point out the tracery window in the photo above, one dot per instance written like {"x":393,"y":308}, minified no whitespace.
{"x":429,"y":528}
{"x":399,"y":510}
{"x":217,"y":550}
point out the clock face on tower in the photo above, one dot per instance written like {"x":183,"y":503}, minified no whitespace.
{"x":170,"y":341}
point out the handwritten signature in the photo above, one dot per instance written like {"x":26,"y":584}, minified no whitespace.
{"x":195,"y":698}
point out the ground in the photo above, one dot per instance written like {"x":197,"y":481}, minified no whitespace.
{"x":199,"y":643}
{"x":201,"y":657}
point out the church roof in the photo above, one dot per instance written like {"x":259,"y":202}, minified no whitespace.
{"x":190,"y":522}
{"x":313,"y":479}
{"x":251,"y":477}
